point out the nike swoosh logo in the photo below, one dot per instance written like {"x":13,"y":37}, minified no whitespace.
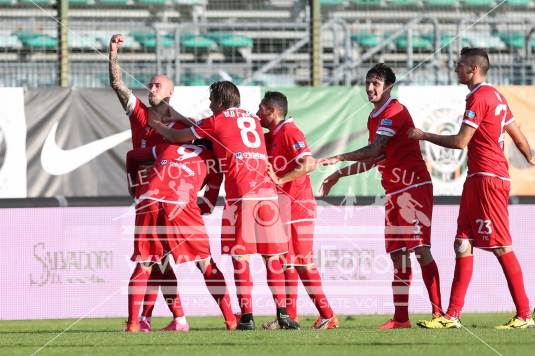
{"x":57,"y":161}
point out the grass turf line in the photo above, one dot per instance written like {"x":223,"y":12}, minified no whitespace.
{"x":358,"y":334}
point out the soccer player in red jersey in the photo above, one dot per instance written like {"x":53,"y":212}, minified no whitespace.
{"x":483,"y":220}
{"x":409,"y":208}
{"x":160,"y":91}
{"x":169,"y":222}
{"x":250,"y":218}
{"x":291,"y":160}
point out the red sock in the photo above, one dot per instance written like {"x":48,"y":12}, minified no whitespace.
{"x":136,"y":292}
{"x":311,"y":280}
{"x":169,"y":287}
{"x":275,"y":281}
{"x":464,"y":266}
{"x":291,"y":276}
{"x":151,"y":294}
{"x":215,"y":282}
{"x":432,"y":283}
{"x":515,"y":281}
{"x":400,"y":289}
{"x":244,"y":285}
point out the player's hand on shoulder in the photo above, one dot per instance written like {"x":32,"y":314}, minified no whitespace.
{"x":415,"y":134}
{"x":116,"y":41}
{"x":328,"y":183}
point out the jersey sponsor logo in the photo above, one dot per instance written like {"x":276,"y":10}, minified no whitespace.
{"x":163,"y":162}
{"x":250,"y":155}
{"x":470,"y":114}
{"x":57,"y":161}
{"x":386,"y":122}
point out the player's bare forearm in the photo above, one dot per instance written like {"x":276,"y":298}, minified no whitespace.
{"x":357,"y":168}
{"x":176,"y":116}
{"x":458,"y":141}
{"x":116,"y":80}
{"x":372,"y":151}
{"x":520,"y":141}
{"x":306,"y":165}
{"x":448,"y":141}
{"x":173,"y":135}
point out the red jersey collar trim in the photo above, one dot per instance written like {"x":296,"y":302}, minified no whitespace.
{"x":476,"y":88}
{"x":282,"y":123}
{"x":382,"y":108}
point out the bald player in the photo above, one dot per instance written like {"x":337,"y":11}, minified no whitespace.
{"x":160,"y":90}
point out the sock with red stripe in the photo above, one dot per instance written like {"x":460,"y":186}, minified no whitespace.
{"x":169,"y":287}
{"x":291,"y":281}
{"x":244,"y":285}
{"x":275,"y":281}
{"x":515,"y":281}
{"x":432,"y":283}
{"x":464,"y":267}
{"x":400,"y":289}
{"x":311,"y":279}
{"x":215,"y":282}
{"x":136,"y":292}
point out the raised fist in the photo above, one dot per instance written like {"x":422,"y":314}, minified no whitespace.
{"x":116,"y":41}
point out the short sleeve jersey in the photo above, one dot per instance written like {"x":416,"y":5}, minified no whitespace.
{"x":286,"y":144}
{"x":402,"y":165}
{"x":142,"y":134}
{"x":240,"y":149}
{"x":488,"y":112}
{"x":177,"y":174}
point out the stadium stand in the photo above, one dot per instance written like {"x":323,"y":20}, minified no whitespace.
{"x":262,"y":41}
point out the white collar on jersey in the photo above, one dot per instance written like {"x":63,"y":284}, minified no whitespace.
{"x":282,"y":123}
{"x":476,"y":88}
{"x":382,"y":108}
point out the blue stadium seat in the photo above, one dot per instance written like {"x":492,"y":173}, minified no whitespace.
{"x":441,"y":3}
{"x":366,"y":40}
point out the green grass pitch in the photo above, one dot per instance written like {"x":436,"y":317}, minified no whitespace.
{"x":357,"y":335}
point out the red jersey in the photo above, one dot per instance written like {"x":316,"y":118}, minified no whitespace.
{"x":286,"y":144}
{"x":177,"y":174}
{"x":142,"y":134}
{"x":239,"y":146}
{"x":401,"y":166}
{"x":488,"y":112}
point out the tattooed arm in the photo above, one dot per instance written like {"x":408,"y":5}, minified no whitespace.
{"x":116,"y":80}
{"x":372,"y":151}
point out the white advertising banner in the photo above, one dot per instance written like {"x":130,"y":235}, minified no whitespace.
{"x":12,"y":143}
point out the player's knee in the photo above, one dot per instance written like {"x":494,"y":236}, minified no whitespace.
{"x":500,"y":251}
{"x":462,"y":247}
{"x":423,"y":255}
